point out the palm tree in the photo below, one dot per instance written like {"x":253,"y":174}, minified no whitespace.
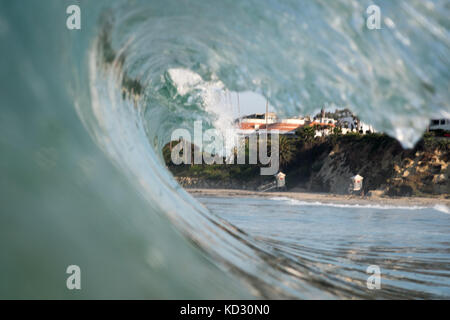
{"x":306,"y":133}
{"x":286,"y":151}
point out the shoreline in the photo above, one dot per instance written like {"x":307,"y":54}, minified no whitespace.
{"x":324,"y":198}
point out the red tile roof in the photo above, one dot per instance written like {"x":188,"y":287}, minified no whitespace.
{"x":280,"y":126}
{"x":283,"y":127}
{"x":314,"y":123}
{"x":286,"y":127}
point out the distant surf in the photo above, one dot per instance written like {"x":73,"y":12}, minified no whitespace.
{"x":437,"y":207}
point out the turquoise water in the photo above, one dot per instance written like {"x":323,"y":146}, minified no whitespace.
{"x":337,"y":243}
{"x":82,"y":179}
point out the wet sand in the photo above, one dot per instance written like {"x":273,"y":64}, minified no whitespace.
{"x":325,"y":197}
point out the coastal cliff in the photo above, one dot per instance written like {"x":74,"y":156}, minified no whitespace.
{"x":385,"y":166}
{"x":326,"y":165}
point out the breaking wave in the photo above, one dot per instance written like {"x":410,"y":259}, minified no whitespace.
{"x":136,"y":71}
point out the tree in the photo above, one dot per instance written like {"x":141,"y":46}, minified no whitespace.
{"x":337,"y":130}
{"x":286,"y":151}
{"x":306,"y":133}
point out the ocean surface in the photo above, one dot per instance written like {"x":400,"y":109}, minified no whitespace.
{"x":82,"y":177}
{"x":334,"y":244}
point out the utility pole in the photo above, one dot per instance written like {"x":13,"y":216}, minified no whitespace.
{"x":239,"y":108}
{"x":267,"y":112}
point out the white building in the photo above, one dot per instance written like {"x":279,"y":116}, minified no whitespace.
{"x":440,"y":124}
{"x":352,"y":124}
{"x":257,"y":124}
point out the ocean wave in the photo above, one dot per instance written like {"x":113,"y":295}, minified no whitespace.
{"x":442,"y":208}
{"x":346,"y":205}
{"x":140,"y":69}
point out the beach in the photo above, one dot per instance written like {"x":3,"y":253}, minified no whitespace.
{"x":326,"y":198}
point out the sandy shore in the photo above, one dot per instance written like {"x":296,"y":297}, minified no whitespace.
{"x":324,"y":198}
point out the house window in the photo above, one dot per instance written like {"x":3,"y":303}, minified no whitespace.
{"x":442,"y":121}
{"x":435,"y":122}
